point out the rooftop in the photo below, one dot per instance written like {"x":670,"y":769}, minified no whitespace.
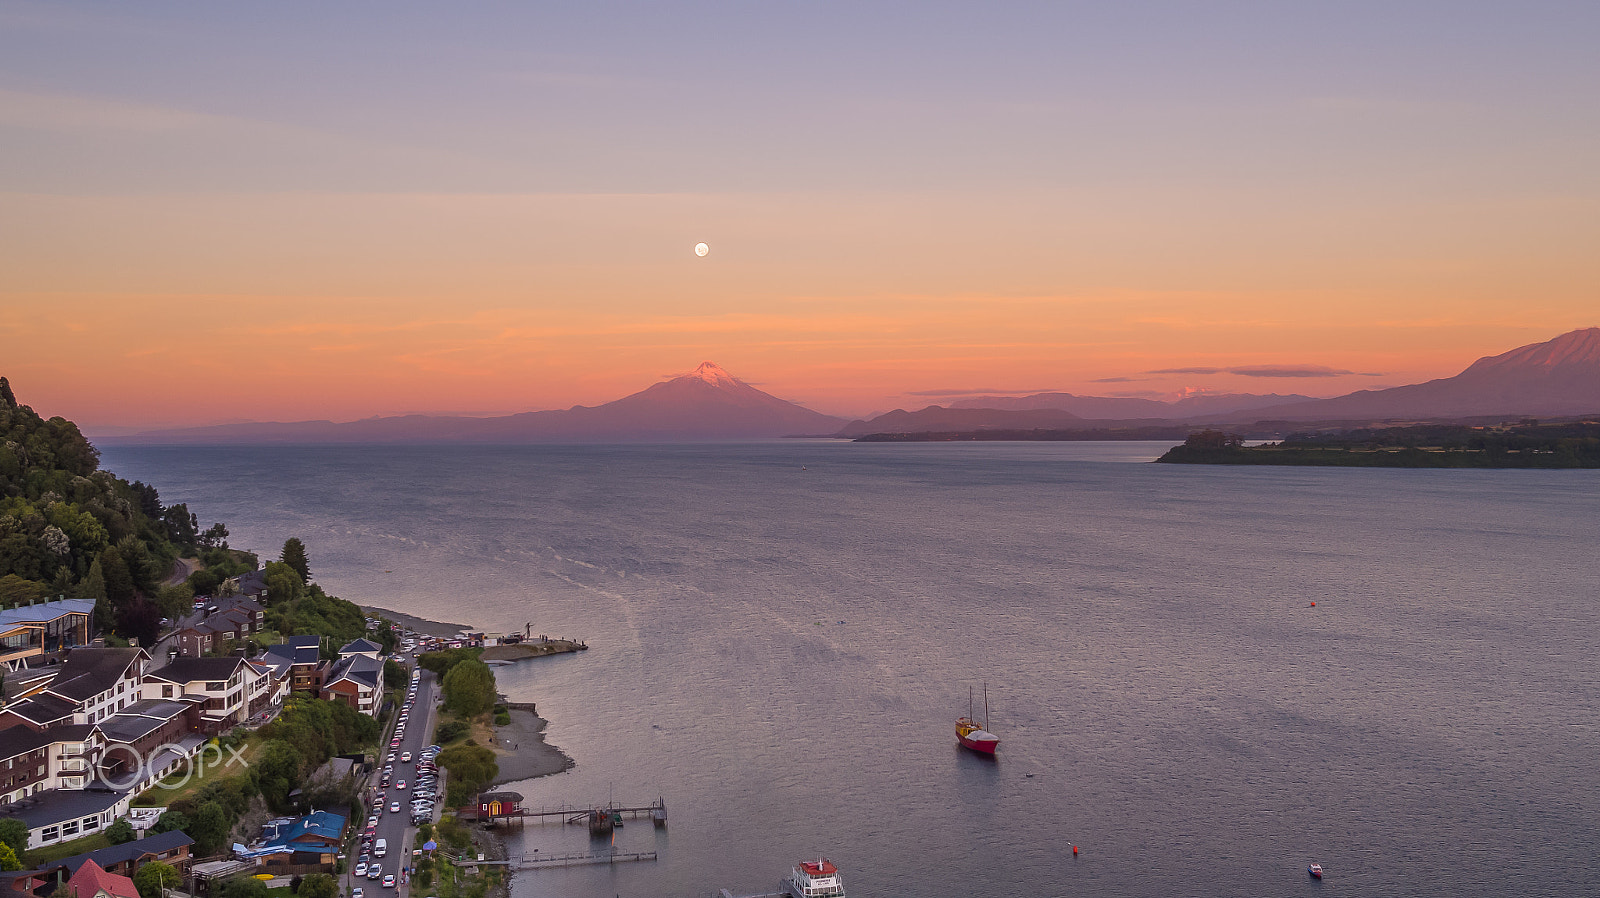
{"x":118,"y":854}
{"x":90,"y":671}
{"x":55,"y":805}
{"x":45,"y":612}
{"x":189,"y":670}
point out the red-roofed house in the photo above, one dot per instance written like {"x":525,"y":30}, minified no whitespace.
{"x":92,"y":881}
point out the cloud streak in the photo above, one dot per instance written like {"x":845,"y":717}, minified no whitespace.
{"x":1269,"y":371}
{"x":976,"y":391}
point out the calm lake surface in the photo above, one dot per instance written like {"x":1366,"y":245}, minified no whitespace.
{"x":782,"y":635}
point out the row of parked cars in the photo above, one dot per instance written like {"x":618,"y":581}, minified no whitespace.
{"x":422,"y":790}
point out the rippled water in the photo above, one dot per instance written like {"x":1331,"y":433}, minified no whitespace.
{"x":783,"y":633}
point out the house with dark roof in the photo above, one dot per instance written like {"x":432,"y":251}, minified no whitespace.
{"x":150,"y":739}
{"x":362,"y":646}
{"x":93,"y":684}
{"x":251,"y":584}
{"x":304,"y":655}
{"x":219,"y":621}
{"x":60,"y":815}
{"x":34,"y":761}
{"x":222,"y":684}
{"x":171,"y":848}
{"x":93,"y":882}
{"x":356,"y":680}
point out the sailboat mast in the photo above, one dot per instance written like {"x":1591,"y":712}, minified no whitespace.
{"x":985,"y":704}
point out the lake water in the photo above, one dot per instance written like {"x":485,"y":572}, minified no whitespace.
{"x":782,"y":635}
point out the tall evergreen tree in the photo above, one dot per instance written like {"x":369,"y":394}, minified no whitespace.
{"x":294,"y":555}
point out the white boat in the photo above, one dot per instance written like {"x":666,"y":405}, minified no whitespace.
{"x":814,"y":879}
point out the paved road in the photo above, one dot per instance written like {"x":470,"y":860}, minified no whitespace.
{"x":396,"y":828}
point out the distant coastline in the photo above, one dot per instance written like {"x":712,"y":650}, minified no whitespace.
{"x":1529,"y":444}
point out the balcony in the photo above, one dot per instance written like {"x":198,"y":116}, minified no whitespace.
{"x":73,"y":765}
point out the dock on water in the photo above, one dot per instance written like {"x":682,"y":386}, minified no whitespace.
{"x":600,"y":819}
{"x":584,"y":859}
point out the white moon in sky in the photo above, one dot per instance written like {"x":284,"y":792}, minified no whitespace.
{"x":701,"y":249}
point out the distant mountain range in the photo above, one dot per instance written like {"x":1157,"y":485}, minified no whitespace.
{"x":1560,"y":377}
{"x":1111,"y":407}
{"x":708,"y":404}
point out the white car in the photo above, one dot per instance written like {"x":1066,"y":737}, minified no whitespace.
{"x":394,"y":807}
{"x":405,"y":758}
{"x":361,"y":869}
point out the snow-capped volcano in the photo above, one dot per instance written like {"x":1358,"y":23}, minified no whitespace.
{"x":713,"y":374}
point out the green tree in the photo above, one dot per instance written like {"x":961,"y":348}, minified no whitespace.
{"x":120,"y":832}
{"x":119,"y":582}
{"x":8,"y":859}
{"x":170,"y":821}
{"x":155,"y":876}
{"x":14,"y":832}
{"x":244,"y":887}
{"x":469,"y":688}
{"x":209,"y":828}
{"x":283,"y":583}
{"x":277,"y":772}
{"x":294,"y":555}
{"x":394,"y":674}
{"x":319,"y":885}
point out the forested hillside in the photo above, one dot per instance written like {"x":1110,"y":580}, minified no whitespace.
{"x":69,"y":529}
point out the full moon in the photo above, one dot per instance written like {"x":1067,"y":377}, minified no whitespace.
{"x":701,"y":249}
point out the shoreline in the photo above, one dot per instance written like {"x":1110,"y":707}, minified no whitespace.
{"x":519,"y":747}
{"x":419,"y":624}
{"x":522,"y":752}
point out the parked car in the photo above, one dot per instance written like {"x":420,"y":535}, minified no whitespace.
{"x":356,"y":892}
{"x":361,"y":869}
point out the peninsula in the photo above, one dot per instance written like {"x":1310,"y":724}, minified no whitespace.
{"x":1528,"y":444}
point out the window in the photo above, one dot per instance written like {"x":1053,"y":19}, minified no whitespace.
{"x":216,"y":686}
{"x":91,"y":823}
{"x":166,"y":692}
{"x":69,"y":829}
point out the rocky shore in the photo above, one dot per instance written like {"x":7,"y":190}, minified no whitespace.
{"x":521,"y":749}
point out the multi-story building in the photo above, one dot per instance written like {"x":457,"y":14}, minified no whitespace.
{"x":223,"y":686}
{"x":38,"y":632}
{"x":91,"y":685}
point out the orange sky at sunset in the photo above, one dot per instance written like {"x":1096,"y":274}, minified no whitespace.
{"x":240,"y":223}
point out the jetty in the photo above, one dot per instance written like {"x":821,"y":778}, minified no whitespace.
{"x":601,"y":819}
{"x":537,"y":861}
{"x":538,"y":647}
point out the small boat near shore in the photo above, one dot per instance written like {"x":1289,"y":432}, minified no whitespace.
{"x":1315,"y":870}
{"x":970,"y":734}
{"x":814,"y":879}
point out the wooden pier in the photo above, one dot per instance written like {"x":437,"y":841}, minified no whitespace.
{"x":537,"y":861}
{"x":601,"y":820}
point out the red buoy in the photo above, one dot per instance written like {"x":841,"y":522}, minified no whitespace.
{"x":1313,"y":604}
{"x":1074,"y":851}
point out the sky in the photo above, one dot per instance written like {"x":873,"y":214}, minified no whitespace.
{"x":287,"y":211}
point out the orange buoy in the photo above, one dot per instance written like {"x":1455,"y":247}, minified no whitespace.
{"x":1313,"y":604}
{"x":1074,"y":851}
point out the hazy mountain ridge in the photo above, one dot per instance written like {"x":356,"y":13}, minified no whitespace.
{"x":1560,"y":377}
{"x":706,"y":404}
{"x":1121,"y":407}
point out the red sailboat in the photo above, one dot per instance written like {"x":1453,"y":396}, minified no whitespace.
{"x":970,"y":734}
